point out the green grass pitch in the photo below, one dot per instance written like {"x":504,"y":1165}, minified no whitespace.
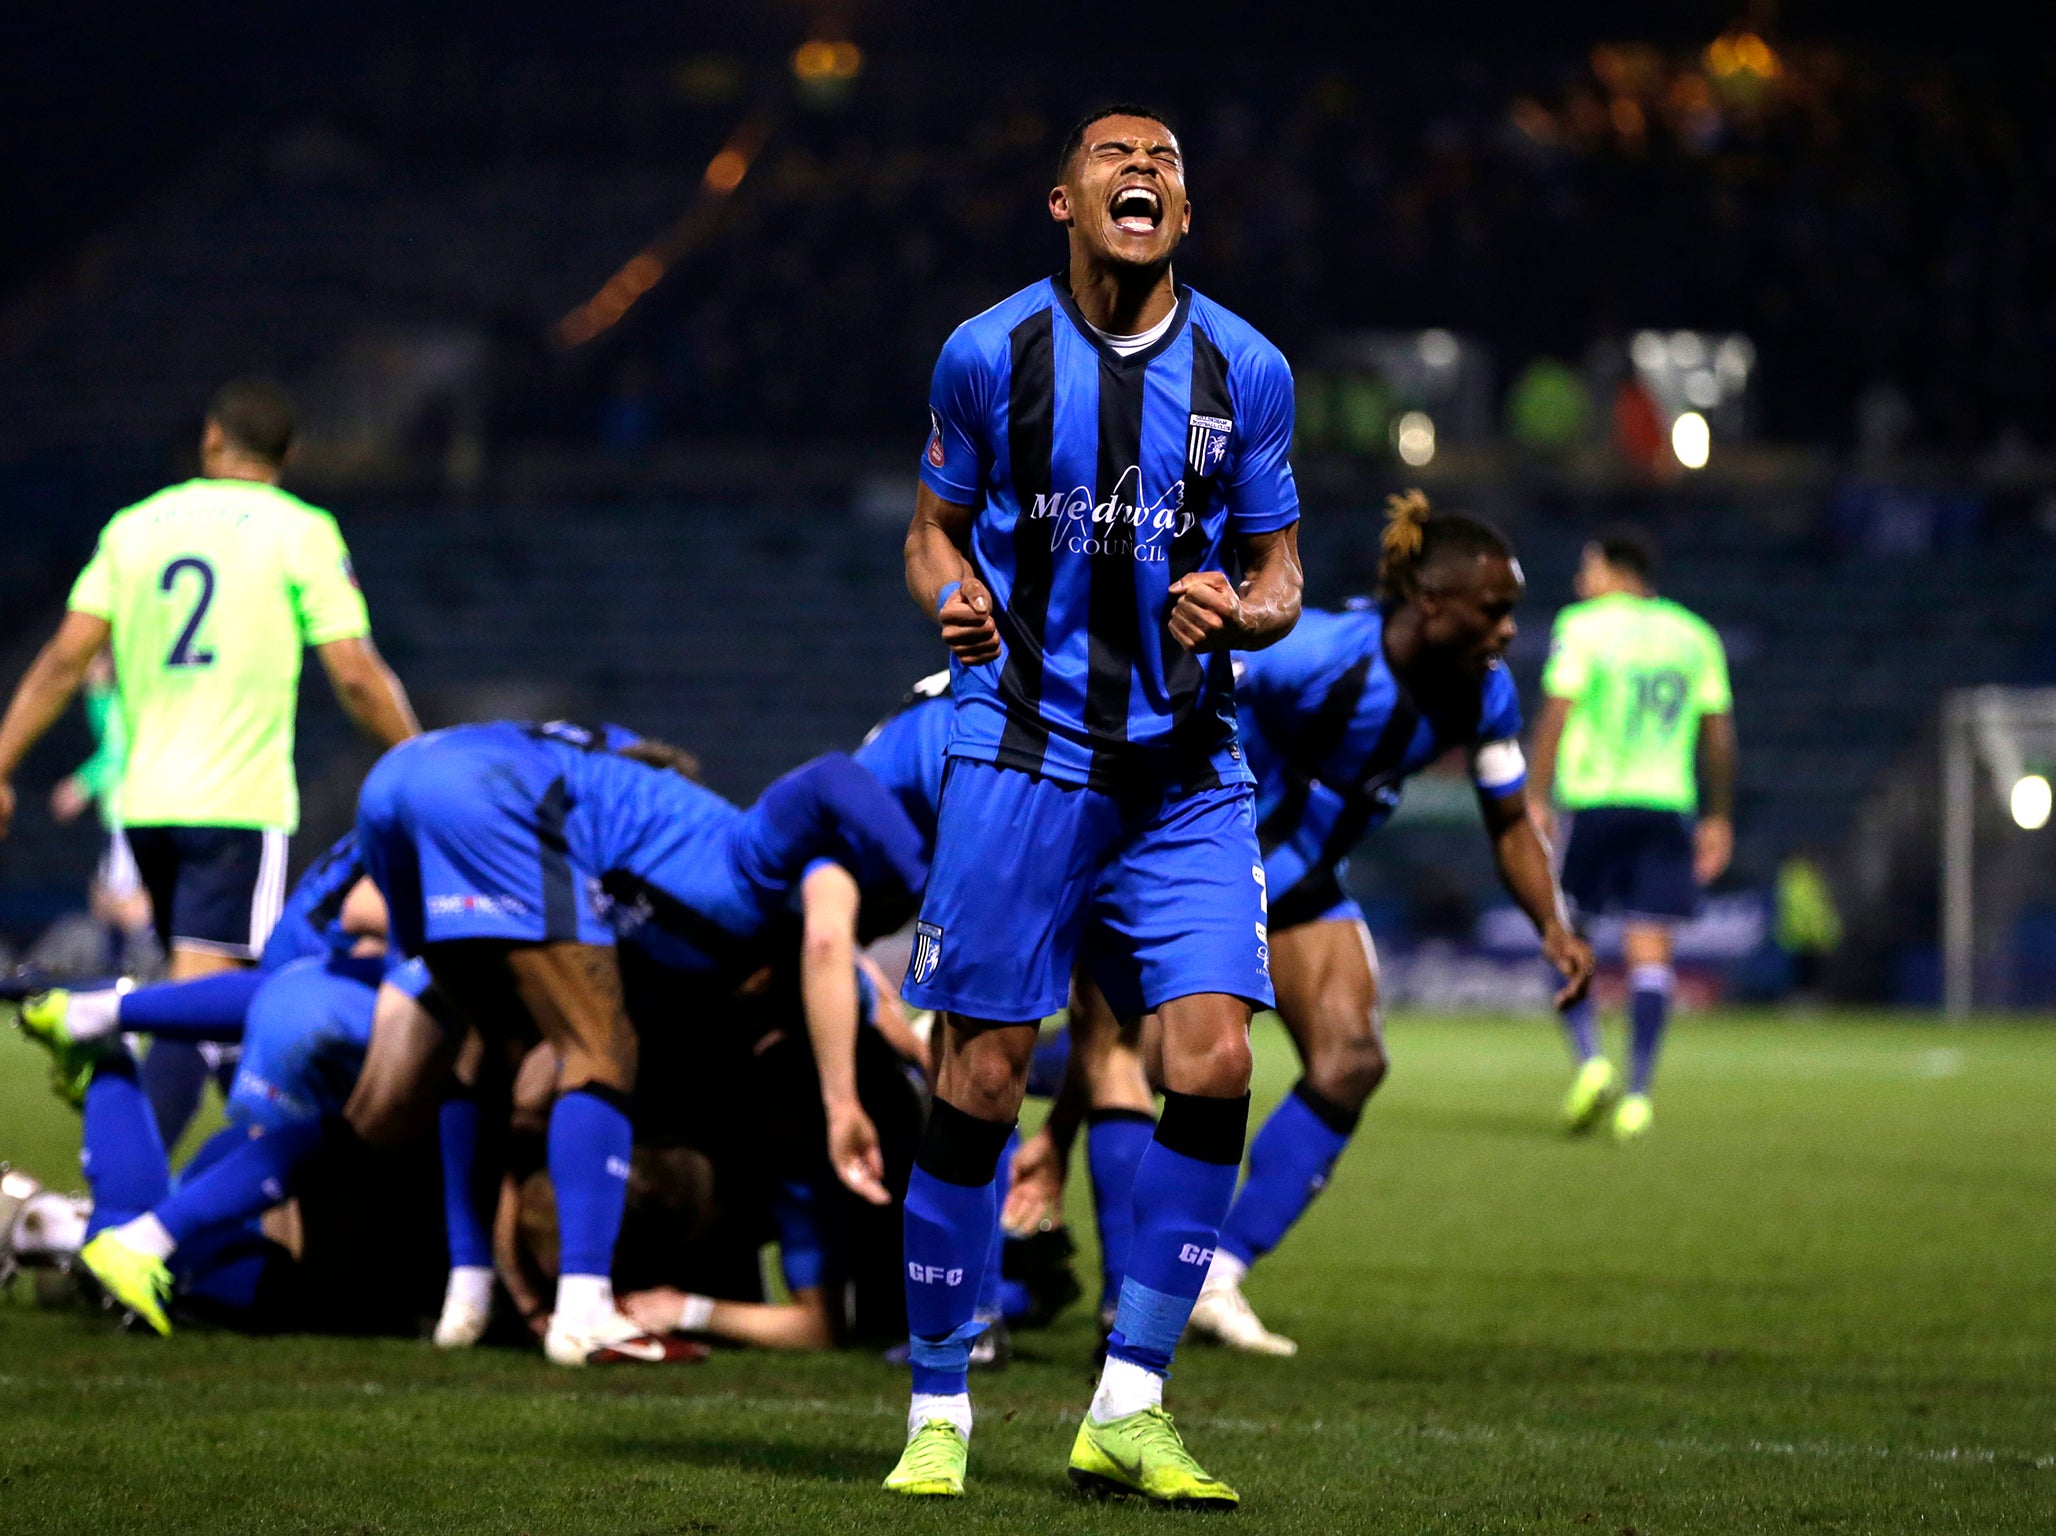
{"x":1821,"y":1297}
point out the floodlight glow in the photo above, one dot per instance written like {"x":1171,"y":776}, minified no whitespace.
{"x":2032,"y":801}
{"x":1686,"y":349}
{"x":1733,"y":359}
{"x":1702,"y":388}
{"x":1439,"y":349}
{"x":1414,"y":437}
{"x":1691,"y":441}
{"x":1648,"y":351}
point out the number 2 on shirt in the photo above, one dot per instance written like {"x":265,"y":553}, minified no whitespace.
{"x":183,"y":651}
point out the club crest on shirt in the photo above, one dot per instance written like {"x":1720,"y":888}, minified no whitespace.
{"x":927,"y":951}
{"x":1206,"y":442}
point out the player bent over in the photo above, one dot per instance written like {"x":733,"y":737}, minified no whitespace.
{"x":510,"y":855}
{"x":1105,"y":445}
{"x":1335,"y":719}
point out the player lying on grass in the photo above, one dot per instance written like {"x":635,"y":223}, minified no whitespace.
{"x":1335,"y":718}
{"x":839,"y":1253}
{"x":304,"y":1029}
{"x":513,"y":855}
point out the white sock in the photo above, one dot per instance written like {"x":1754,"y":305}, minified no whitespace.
{"x":954,"y":1406}
{"x":94,"y":1015}
{"x":1125,"y":1388}
{"x":582,"y":1300}
{"x":1225,"y":1273}
{"x":470,"y":1286}
{"x":146,"y":1234}
{"x":694,"y":1314}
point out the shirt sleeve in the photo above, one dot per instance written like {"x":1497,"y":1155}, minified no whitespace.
{"x":1567,"y":671}
{"x":326,"y":598}
{"x":957,"y":456}
{"x":93,"y":592}
{"x":1711,"y":692}
{"x":1497,"y":764}
{"x":1262,"y":496}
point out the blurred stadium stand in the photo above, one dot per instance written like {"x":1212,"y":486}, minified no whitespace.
{"x":689,"y":521}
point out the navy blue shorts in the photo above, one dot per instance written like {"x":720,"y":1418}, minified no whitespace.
{"x":213,"y":889}
{"x":463,"y":836}
{"x":1630,"y":861}
{"x":1160,"y":892}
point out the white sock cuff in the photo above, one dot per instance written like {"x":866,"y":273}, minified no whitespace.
{"x":471,"y":1285}
{"x":1652,"y":978}
{"x":955,"y":1407}
{"x":1125,"y":1388}
{"x":583,"y":1298}
{"x":94,"y":1015}
{"x":146,"y":1234}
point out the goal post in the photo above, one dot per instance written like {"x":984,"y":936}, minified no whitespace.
{"x":1999,"y":758}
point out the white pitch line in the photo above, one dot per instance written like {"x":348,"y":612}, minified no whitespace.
{"x":821,"y":1407}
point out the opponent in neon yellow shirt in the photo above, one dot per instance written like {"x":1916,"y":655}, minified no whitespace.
{"x":207,"y":593}
{"x":1636,"y":737}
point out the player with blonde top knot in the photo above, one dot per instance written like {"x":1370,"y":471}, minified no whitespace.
{"x":1334,"y":719}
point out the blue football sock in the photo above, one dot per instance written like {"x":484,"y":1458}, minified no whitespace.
{"x":1289,"y":1163}
{"x":950,"y":1216}
{"x":1581,"y":1029}
{"x":208,"y":1008}
{"x":121,"y":1152}
{"x":590,"y":1145}
{"x":471,"y":1240}
{"x":1648,"y":1014}
{"x":246,"y":1182}
{"x":213,"y":1150}
{"x":1002,"y":1181}
{"x":173,"y":1075}
{"x":1115,"y":1140}
{"x":1182,"y":1189}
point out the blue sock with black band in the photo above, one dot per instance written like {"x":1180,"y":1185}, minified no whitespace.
{"x":1182,"y":1189}
{"x":1289,"y":1163}
{"x":950,"y":1214}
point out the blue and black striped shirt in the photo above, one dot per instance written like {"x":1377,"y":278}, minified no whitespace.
{"x":1098,"y":481}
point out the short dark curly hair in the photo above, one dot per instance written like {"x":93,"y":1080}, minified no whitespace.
{"x":1075,"y":139}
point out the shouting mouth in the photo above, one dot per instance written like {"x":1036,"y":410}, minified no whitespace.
{"x":1137,"y":209}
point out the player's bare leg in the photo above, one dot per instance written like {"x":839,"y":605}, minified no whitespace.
{"x":1646,"y":950}
{"x":409,"y":1058}
{"x":573,"y":993}
{"x":189,"y":964}
{"x":1326,"y":978}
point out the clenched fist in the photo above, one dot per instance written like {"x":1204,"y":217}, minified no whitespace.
{"x":1207,"y":615}
{"x":967,"y":624}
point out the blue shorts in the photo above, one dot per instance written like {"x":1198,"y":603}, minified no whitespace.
{"x":1304,"y":890}
{"x":1630,"y":861}
{"x":463,"y":836}
{"x":1159,"y":891}
{"x":304,"y":1042}
{"x":214,"y":889}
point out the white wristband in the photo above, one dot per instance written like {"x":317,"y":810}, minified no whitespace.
{"x":695,"y":1313}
